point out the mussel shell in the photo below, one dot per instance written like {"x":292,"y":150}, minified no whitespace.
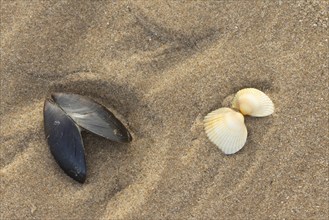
{"x":92,"y":116}
{"x":65,"y":141}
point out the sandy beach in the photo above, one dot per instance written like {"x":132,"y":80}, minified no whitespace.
{"x":161,"y":66}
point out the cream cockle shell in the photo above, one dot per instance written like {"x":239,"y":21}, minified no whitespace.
{"x":253,"y":102}
{"x":226,"y":129}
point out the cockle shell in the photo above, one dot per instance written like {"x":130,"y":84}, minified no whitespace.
{"x":253,"y":102}
{"x":226,"y":129}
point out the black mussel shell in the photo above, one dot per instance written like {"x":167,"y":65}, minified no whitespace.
{"x":63,"y":117}
{"x":92,"y":116}
{"x":65,"y":141}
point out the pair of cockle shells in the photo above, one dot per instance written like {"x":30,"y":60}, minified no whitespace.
{"x":225,"y":127}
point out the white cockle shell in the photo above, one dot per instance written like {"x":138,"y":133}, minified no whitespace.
{"x":226,"y":129}
{"x":253,"y":102}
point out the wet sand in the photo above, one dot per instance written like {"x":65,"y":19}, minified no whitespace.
{"x":161,"y":67}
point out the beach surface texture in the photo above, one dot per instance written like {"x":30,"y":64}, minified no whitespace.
{"x":160,"y":67}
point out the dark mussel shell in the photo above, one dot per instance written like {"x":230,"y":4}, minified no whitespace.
{"x":63,"y":117}
{"x":65,"y":141}
{"x":92,"y":116}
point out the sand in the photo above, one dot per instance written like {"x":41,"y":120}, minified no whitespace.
{"x":161,"y":67}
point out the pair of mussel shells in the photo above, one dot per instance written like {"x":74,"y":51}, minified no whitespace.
{"x":225,"y":127}
{"x":65,"y":116}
